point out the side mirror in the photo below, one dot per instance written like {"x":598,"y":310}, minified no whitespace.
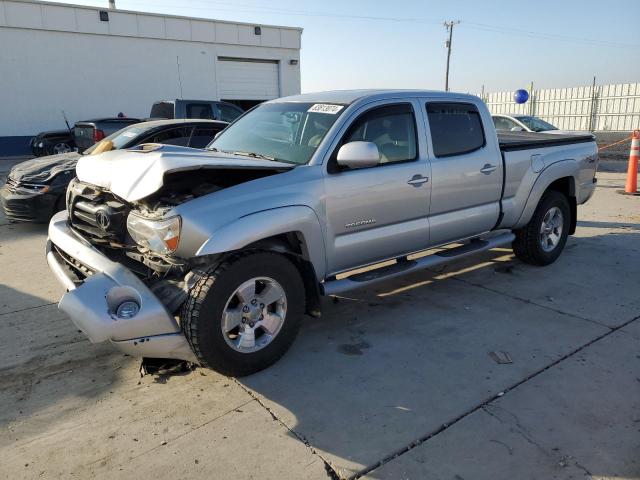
{"x":517,"y":129}
{"x":359,"y":155}
{"x":217,"y":134}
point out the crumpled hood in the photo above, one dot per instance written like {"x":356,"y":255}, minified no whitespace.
{"x":43,"y":169}
{"x":138,"y":172}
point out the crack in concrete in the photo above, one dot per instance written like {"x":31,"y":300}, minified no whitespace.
{"x":486,"y":403}
{"x":28,"y":308}
{"x":531,"y":302}
{"x":331,"y":472}
{"x":519,"y":428}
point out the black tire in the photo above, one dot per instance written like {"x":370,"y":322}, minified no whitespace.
{"x":201,"y":314}
{"x":527,"y":245}
{"x":60,"y":147}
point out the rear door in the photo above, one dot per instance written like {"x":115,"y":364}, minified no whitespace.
{"x":466,"y":169}
{"x":379,"y":212}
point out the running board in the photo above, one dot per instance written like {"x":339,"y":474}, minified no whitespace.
{"x":404,"y":265}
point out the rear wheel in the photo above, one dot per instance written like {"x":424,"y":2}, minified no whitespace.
{"x":541,"y":241}
{"x":243,"y":315}
{"x":61,"y":147}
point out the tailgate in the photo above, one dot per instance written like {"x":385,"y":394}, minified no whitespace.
{"x":84,"y":136}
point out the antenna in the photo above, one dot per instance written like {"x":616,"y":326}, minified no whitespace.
{"x":64,"y":115}
{"x":179,"y":76}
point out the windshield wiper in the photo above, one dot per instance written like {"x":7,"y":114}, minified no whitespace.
{"x":253,"y":155}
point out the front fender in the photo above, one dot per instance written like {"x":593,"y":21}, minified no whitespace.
{"x":555,"y":171}
{"x":268,"y":223}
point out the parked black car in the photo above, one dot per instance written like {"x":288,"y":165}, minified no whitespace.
{"x":35,"y":189}
{"x":82,"y":136}
{"x":209,"y":109}
{"x":52,"y":142}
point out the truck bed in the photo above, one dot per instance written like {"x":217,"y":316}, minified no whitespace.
{"x":510,"y":141}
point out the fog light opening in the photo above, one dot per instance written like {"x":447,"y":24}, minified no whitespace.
{"x":127,"y":310}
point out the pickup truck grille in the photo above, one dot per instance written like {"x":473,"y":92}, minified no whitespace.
{"x":98,"y":215}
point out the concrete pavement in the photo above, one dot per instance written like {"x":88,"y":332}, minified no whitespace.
{"x":393,"y":382}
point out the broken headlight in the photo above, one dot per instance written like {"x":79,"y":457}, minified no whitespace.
{"x":160,"y":236}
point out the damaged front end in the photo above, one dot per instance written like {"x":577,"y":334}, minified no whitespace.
{"x":118,"y":257}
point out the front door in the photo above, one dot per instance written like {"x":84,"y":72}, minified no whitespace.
{"x":379,"y":212}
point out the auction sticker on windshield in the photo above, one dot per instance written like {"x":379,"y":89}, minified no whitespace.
{"x":325,"y":108}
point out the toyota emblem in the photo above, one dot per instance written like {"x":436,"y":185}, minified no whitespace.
{"x":102,"y":219}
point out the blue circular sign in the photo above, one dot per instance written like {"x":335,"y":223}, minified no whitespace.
{"x":521,"y":96}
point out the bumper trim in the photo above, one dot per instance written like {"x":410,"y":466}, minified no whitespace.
{"x":153,"y":332}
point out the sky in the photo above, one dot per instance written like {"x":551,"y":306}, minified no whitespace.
{"x":501,"y":45}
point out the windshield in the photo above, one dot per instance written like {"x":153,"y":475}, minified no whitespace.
{"x":536,"y":124}
{"x":119,"y":138}
{"x":284,"y":131}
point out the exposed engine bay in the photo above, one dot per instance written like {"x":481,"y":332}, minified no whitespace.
{"x":100,"y":216}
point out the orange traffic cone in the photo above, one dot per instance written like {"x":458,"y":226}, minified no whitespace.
{"x":631,"y":187}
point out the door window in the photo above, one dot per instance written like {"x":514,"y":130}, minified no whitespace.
{"x":456,"y":128}
{"x":228,"y":113}
{"x":202,"y":136}
{"x":392,"y":128}
{"x":504,"y":124}
{"x":174,"y":136}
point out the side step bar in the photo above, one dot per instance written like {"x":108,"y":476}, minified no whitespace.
{"x":404,"y":265}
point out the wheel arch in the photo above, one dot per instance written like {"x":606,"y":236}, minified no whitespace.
{"x":560,"y":177}
{"x":292,"y":231}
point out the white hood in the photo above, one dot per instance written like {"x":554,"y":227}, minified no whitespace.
{"x":137,"y":173}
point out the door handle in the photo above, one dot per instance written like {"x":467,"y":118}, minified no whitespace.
{"x":488,"y":168}
{"x":418,"y":180}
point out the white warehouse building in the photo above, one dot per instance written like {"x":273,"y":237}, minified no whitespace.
{"x":93,"y":62}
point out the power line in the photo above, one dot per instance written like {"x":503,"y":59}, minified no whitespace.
{"x":546,"y":36}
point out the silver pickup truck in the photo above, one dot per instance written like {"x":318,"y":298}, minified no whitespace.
{"x":213,"y":256}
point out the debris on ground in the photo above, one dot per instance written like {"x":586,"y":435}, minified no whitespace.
{"x":164,"y":366}
{"x":501,"y":357}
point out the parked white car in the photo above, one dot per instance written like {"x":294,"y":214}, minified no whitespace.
{"x":526,"y":123}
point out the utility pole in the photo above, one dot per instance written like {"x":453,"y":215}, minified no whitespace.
{"x":449,"y":27}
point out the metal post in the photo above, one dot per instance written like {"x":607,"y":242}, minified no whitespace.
{"x":447,"y":44}
{"x":532,"y":109}
{"x":592,"y":110}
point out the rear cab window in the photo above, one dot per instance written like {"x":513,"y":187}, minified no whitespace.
{"x":200,"y":110}
{"x":456,"y":128}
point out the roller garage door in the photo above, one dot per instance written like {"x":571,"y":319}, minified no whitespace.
{"x":248,"y":79}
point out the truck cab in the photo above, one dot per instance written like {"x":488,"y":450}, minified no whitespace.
{"x":205,"y":109}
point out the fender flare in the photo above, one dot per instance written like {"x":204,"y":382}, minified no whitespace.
{"x":564,"y":168}
{"x":268,"y":223}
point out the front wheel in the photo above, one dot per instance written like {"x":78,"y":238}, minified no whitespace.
{"x":243,"y":315}
{"x":541,"y":241}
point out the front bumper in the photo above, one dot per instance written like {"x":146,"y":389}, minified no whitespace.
{"x":28,"y":207}
{"x":96,"y":286}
